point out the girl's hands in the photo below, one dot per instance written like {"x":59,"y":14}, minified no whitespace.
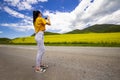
{"x":47,"y":17}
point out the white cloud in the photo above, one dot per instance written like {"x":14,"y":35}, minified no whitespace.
{"x":100,"y":9}
{"x":113,"y":18}
{"x":60,"y":21}
{"x":98,"y":12}
{"x":18,"y":26}
{"x":23,"y":25}
{"x":26,"y":23}
{"x":84,"y":15}
{"x":16,"y":14}
{"x":1,"y":32}
{"x":43,"y":0}
{"x":13,"y":13}
{"x":23,"y":4}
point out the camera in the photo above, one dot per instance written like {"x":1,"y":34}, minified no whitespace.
{"x":46,"y":18}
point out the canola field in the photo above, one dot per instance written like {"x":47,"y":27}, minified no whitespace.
{"x":88,"y":39}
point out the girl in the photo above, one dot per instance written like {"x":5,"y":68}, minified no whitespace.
{"x":39,"y":26}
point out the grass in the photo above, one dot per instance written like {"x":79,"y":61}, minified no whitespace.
{"x":88,"y":39}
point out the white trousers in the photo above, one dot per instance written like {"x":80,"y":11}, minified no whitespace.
{"x":39,"y":37}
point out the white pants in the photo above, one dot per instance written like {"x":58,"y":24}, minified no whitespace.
{"x":39,"y":37}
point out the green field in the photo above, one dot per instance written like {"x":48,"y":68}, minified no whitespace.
{"x":87,"y":39}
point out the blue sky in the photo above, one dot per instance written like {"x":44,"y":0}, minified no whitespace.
{"x":66,"y":15}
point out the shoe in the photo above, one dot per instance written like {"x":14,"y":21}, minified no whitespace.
{"x":44,"y":66}
{"x":41,"y":70}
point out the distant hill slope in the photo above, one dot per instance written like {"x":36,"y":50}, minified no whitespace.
{"x":5,"y":40}
{"x":103,"y":28}
{"x":47,"y":33}
{"x":50,"y":33}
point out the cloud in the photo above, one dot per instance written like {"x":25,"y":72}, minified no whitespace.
{"x":1,"y":32}
{"x":16,"y":14}
{"x":23,"y":25}
{"x":87,"y":13}
{"x":43,"y":0}
{"x":18,"y":26}
{"x":13,"y":13}
{"x":23,"y":4}
{"x":26,"y":23}
{"x":60,"y":21}
{"x":94,"y":12}
{"x":113,"y":18}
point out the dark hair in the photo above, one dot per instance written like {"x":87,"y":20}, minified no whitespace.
{"x":35,"y":15}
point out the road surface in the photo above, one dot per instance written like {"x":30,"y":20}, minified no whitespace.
{"x":65,"y":63}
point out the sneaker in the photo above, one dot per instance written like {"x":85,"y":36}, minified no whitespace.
{"x":44,"y":66}
{"x":41,"y":70}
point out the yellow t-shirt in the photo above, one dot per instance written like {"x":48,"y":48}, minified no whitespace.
{"x":39,"y":24}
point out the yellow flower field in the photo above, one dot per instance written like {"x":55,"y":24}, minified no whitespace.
{"x":88,"y":38}
{"x":101,"y":38}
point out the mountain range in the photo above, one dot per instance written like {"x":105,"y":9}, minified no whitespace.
{"x":98,"y":28}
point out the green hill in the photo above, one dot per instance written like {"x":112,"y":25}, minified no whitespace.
{"x":50,"y":33}
{"x":98,"y":28}
{"x":103,"y":28}
{"x":77,"y":31}
{"x":5,"y":40}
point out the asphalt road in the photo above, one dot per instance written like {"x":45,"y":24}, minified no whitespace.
{"x":65,"y":63}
